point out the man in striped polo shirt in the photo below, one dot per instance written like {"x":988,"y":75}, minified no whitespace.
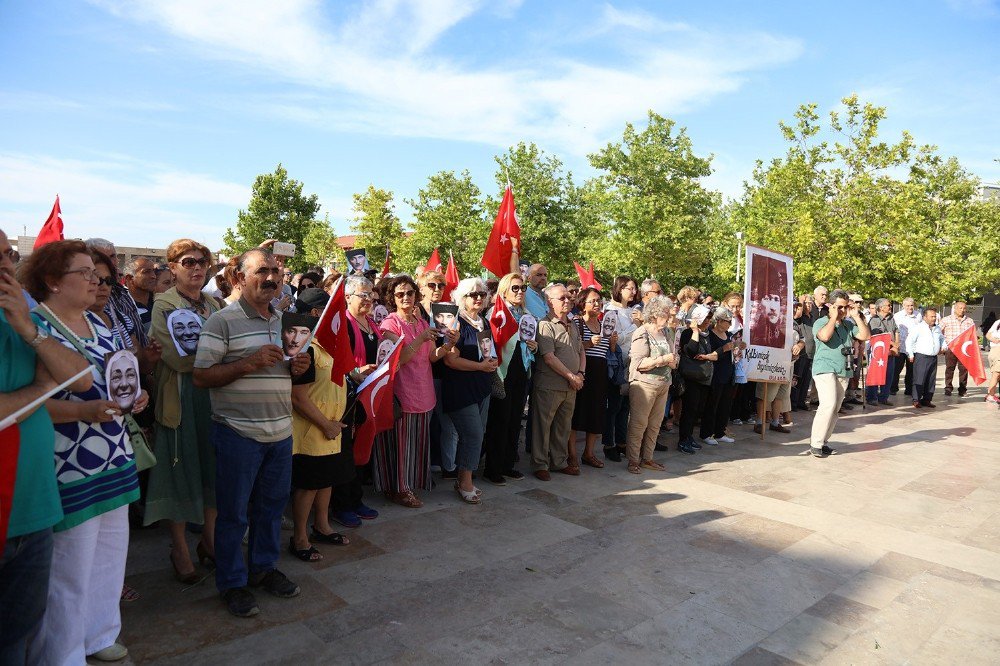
{"x":240,"y":360}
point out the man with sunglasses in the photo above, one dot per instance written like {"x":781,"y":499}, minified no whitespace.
{"x":832,"y":370}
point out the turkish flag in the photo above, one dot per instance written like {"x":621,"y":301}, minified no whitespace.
{"x":375,"y":396}
{"x":10,"y":443}
{"x":331,"y":333}
{"x":499,"y":249}
{"x":434,"y":263}
{"x":451,"y":278}
{"x":52,"y":230}
{"x":966,"y":348}
{"x":385,"y":266}
{"x":587,"y":278}
{"x":503,"y":324}
{"x":880,"y":359}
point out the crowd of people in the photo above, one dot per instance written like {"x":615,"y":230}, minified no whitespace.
{"x":229,"y":436}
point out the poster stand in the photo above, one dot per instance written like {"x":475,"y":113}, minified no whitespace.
{"x":762,"y":410}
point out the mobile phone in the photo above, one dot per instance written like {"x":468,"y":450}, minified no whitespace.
{"x":284,"y":249}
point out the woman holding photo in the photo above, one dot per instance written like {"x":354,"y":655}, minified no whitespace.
{"x":590,"y":412}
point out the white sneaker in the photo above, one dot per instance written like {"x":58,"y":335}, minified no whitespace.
{"x":737,"y":422}
{"x":114,"y":652}
{"x":727,"y":439}
{"x":711,"y":441}
{"x":751,"y":421}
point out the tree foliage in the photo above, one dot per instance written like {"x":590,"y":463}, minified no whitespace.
{"x":448,"y":214}
{"x":376,"y":224}
{"x":277,"y":209}
{"x":319,"y":246}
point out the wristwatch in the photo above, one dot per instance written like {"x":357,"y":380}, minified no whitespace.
{"x":41,"y":335}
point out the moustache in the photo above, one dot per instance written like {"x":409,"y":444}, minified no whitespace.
{"x":269,"y":284}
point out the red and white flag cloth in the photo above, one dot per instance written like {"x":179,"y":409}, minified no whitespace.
{"x":331,"y":333}
{"x":375,"y":396}
{"x":52,"y":230}
{"x":385,"y":266}
{"x":966,"y":348}
{"x":434,"y":263}
{"x":880,"y":359}
{"x":499,"y":248}
{"x":587,"y":278}
{"x":451,"y":278}
{"x":504,"y":326}
{"x":10,"y":443}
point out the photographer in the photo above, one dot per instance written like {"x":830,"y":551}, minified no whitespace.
{"x":833,"y":364}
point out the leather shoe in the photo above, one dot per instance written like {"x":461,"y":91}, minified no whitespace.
{"x":661,"y":447}
{"x":571,"y":470}
{"x":543,"y":475}
{"x":947,"y":392}
{"x":916,"y":404}
{"x":757,"y":429}
{"x":779,"y":428}
{"x":929,"y":405}
{"x":846,"y":405}
{"x":612,"y":453}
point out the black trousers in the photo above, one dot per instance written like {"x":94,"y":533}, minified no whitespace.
{"x":743,"y":401}
{"x":924,"y":377}
{"x":503,"y":425}
{"x":347,"y":496}
{"x":692,"y":407}
{"x":715,"y":416}
{"x":908,"y":383}
{"x":802,"y":370}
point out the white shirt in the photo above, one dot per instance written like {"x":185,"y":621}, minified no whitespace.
{"x":994,"y":332}
{"x":924,"y":339}
{"x":905,"y":323}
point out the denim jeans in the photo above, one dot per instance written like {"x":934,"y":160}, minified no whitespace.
{"x":881,"y":392}
{"x":24,"y":589}
{"x":255,"y":473}
{"x":447,"y":436}
{"x":470,"y":424}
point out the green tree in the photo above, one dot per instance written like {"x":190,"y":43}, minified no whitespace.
{"x":548,"y":207}
{"x":277,"y":209}
{"x":448,"y":214}
{"x":882,"y":218}
{"x":319,"y":246}
{"x":376,"y":224}
{"x":650,"y":208}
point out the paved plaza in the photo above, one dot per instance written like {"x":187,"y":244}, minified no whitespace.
{"x":752,"y":553}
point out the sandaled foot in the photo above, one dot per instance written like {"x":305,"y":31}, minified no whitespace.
{"x":333,"y":538}
{"x":634,"y":468}
{"x":309,"y":554}
{"x":653,"y":465}
{"x":593,"y":461}
{"x":468,"y":496}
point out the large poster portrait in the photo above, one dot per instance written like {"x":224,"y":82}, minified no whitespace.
{"x":185,"y":329}
{"x":768,"y":297}
{"x":296,"y":333}
{"x":358,"y":261}
{"x":121,"y":376}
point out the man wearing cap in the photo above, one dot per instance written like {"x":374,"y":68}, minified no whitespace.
{"x":952,"y":326}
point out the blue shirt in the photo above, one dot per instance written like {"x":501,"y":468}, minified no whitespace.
{"x":536,"y":304}
{"x":36,"y":504}
{"x":924,"y":339}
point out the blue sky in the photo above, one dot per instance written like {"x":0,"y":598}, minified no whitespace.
{"x":151,"y":118}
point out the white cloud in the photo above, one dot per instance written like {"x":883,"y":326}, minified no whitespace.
{"x":131,"y":202}
{"x":375,"y":67}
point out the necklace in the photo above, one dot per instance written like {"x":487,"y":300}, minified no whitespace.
{"x":198,"y":305}
{"x":77,"y":338}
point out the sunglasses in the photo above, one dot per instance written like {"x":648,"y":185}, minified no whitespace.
{"x":105,"y":281}
{"x":573,"y":291}
{"x":518,"y":288}
{"x":409,"y":293}
{"x":434,"y":286}
{"x":306,"y":285}
{"x":191,"y":262}
{"x":476,"y":295}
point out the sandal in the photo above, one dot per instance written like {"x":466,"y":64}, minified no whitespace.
{"x":333,"y":538}
{"x":634,"y":468}
{"x":309,"y":554}
{"x":129,"y":593}
{"x":653,"y":465}
{"x":470,"y":497}
{"x":592,"y":461}
{"x":405,"y":498}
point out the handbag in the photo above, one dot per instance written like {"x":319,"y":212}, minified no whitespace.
{"x":696,"y":371}
{"x":497,"y":389}
{"x":144,"y":457}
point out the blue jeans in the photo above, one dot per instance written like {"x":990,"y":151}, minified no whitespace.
{"x":248,"y":472}
{"x":470,"y":423}
{"x":881,"y":392}
{"x":24,"y":590}
{"x":447,"y":438}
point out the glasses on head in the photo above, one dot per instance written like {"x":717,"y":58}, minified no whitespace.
{"x":191,"y":262}
{"x":409,"y":293}
{"x":518,"y":288}
{"x":88,"y":273}
{"x":364,"y":295}
{"x":105,"y":281}
{"x":434,"y":286}
{"x":476,"y":295}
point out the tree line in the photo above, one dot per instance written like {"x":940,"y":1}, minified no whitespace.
{"x":884,"y":218}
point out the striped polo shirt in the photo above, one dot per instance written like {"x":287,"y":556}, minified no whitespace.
{"x":258,"y":405}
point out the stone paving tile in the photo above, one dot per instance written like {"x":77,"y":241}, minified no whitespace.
{"x":842,"y":611}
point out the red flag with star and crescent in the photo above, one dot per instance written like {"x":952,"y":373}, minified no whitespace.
{"x":375,"y":396}
{"x":451,"y":278}
{"x":880,"y":359}
{"x":966,"y":348}
{"x":331,"y":333}
{"x":434,"y":263}
{"x":52,"y":230}
{"x":499,"y":248}
{"x":504,"y":326}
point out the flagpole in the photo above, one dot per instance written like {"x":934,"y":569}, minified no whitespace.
{"x":37,"y":402}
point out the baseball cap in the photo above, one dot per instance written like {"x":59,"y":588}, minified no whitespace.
{"x":699,"y":314}
{"x":311,"y":298}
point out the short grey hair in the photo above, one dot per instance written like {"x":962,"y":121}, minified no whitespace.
{"x":839,"y":293}
{"x":722,"y":312}
{"x":466,"y":287}
{"x":910,"y":299}
{"x":818,"y":288}
{"x":133,"y":264}
{"x":356,"y":282}
{"x":657,"y":306}
{"x":880,"y":303}
{"x":100,"y":244}
{"x":647,"y":285}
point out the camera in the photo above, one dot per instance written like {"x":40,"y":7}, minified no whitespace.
{"x":849,"y":360}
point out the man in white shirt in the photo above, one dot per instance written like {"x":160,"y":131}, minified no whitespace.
{"x":924,"y":343}
{"x":993,"y":337}
{"x":906,"y":319}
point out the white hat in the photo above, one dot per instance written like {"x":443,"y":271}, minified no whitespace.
{"x":700,"y":314}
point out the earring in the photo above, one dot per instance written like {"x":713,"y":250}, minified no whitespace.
{"x":55,"y":289}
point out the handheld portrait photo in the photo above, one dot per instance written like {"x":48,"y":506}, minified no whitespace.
{"x":121,"y":376}
{"x":185,"y":329}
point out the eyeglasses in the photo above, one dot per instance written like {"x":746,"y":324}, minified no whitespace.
{"x":88,"y":273}
{"x":10,"y":254}
{"x":628,"y":288}
{"x":409,"y":293}
{"x":654,"y":291}
{"x":191,"y":262}
{"x":434,"y":286}
{"x":106,"y":281}
{"x":518,"y":288}
{"x":597,"y":302}
{"x":564,"y":299}
{"x":476,"y":295}
{"x":365,"y":296}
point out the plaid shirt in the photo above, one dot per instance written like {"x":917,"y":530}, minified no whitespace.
{"x":952,"y":327}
